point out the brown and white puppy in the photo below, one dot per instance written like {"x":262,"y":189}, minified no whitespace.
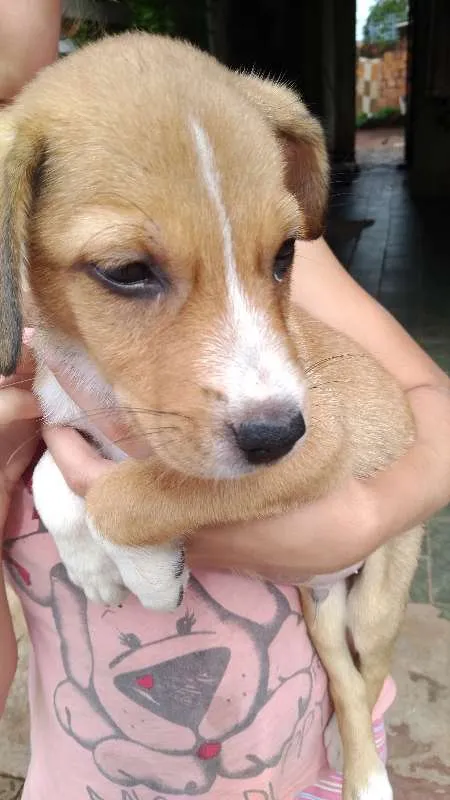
{"x":151,"y":199}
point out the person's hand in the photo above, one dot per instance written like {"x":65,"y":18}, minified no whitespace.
{"x":80,"y":463}
{"x":326,"y":536}
{"x":19,"y":429}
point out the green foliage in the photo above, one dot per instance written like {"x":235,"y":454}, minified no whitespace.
{"x":361,"y":119}
{"x":385,"y":113}
{"x":381,"y":9}
{"x":155,"y":16}
{"x":380,"y":23}
{"x":185,"y":18}
{"x":385,"y":117}
{"x":85,"y":32}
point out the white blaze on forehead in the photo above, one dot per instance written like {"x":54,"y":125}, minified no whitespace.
{"x":212,"y":181}
{"x":248,"y":359}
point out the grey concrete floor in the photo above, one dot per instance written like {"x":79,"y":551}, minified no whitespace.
{"x":398,"y":251}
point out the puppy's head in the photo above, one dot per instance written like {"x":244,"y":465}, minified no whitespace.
{"x":152,"y":199}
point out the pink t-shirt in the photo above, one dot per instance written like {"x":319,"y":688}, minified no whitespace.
{"x":225,"y":698}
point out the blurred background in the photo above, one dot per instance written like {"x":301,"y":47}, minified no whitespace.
{"x":358,"y":63}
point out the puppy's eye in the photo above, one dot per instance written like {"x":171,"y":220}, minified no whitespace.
{"x":283,"y":260}
{"x":136,"y":279}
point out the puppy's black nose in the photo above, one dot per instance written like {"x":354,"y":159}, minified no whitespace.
{"x":268,"y":438}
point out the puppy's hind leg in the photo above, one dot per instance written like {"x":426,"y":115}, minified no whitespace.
{"x":376,"y":606}
{"x":365,"y":776}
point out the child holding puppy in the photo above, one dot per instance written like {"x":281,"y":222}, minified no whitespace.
{"x":225,"y":698}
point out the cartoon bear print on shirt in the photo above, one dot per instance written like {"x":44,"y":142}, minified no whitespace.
{"x":165,"y":703}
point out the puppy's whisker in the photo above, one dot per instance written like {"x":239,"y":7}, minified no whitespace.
{"x":107,"y":412}
{"x":150,"y":411}
{"x":73,"y":422}
{"x":22,"y":446}
{"x":159,"y":412}
{"x":143,"y":434}
{"x":326,"y":361}
{"x":327,"y":384}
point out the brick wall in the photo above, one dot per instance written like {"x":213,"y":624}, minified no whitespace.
{"x":381,"y":82}
{"x":393,"y":76}
{"x":367,"y":85}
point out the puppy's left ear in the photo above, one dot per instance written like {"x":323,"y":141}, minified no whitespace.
{"x":303,"y":144}
{"x":21,"y":151}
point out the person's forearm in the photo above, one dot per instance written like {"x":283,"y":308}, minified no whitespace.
{"x":29,"y":35}
{"x":325,"y":290}
{"x":426,"y":464}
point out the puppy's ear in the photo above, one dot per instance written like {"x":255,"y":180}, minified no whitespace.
{"x":303,"y":143}
{"x":21,"y":151}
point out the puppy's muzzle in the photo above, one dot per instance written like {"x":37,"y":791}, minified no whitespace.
{"x":265,"y":438}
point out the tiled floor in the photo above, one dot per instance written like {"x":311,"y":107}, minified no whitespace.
{"x":398,"y":250}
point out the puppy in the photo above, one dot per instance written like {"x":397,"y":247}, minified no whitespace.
{"x":151,"y":200}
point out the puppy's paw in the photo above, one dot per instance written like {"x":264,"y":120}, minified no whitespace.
{"x":157,"y":575}
{"x":333,"y":745}
{"x":378,"y":787}
{"x":93,"y":571}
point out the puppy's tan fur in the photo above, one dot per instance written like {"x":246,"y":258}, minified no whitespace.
{"x":98,"y":169}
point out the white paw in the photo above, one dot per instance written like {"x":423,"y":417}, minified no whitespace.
{"x":157,"y":575}
{"x":333,"y":745}
{"x":93,"y":571}
{"x":378,"y":787}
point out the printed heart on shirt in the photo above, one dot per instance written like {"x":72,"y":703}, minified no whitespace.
{"x":209,"y":750}
{"x":145,"y":681}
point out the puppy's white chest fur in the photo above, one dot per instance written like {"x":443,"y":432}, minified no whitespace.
{"x":104,"y":571}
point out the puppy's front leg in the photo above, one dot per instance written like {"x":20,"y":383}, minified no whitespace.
{"x":155,"y":574}
{"x":64,"y":515}
{"x":137,"y":504}
{"x":365,"y":776}
{"x":138,"y":524}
